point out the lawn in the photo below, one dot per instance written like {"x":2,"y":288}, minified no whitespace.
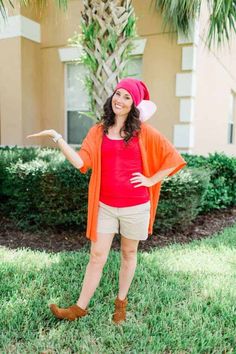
{"x":182,"y":299}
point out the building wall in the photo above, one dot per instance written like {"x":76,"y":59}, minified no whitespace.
{"x":214,"y":85}
{"x":42,"y":68}
{"x":35,"y":80}
{"x":161,"y":62}
{"x":31,"y":88}
{"x":56,"y":28}
{"x":10,"y":91}
{"x":53,"y":98}
{"x":160,"y":52}
{"x":10,"y":86}
{"x":216,"y":77}
{"x":20,"y":90}
{"x":20,"y":81}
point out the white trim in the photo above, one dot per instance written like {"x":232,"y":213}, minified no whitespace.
{"x":186,"y":109}
{"x":65,"y":104}
{"x":20,"y":26}
{"x":10,"y":27}
{"x":193,"y":36}
{"x":74,"y":53}
{"x":185,"y":89}
{"x":189,"y":54}
{"x":30,"y":29}
{"x":185,"y":85}
{"x":139,"y":46}
{"x":183,"y":136}
{"x":70,"y":53}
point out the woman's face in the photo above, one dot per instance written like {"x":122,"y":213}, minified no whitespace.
{"x":121,"y":102}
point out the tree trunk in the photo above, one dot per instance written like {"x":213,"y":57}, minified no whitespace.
{"x":108,"y":28}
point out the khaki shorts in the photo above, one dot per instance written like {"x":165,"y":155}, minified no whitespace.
{"x":131,"y":222}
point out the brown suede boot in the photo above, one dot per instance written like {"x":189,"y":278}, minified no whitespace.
{"x":120,"y":310}
{"x":69,"y":313}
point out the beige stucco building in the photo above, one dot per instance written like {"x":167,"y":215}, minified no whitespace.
{"x":193,"y":87}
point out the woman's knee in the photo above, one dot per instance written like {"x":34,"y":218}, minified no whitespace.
{"x":99,"y":250}
{"x":129,"y":255}
{"x":98,"y":258}
{"x":129,"y":249}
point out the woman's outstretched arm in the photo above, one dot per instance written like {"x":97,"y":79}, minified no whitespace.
{"x":69,"y":153}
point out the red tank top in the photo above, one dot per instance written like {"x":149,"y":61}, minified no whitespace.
{"x":119,"y":160}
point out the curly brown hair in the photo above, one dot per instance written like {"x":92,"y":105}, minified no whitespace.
{"x":132,"y":125}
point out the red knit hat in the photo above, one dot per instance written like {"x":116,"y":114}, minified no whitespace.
{"x":136,"y":88}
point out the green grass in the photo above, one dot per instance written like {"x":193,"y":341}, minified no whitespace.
{"x":182,"y":299}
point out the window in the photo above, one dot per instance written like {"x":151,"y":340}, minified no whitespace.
{"x":78,"y":123}
{"x":77,"y":100}
{"x":231,"y":121}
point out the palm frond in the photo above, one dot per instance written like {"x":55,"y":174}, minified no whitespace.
{"x":40,"y":5}
{"x":178,"y":15}
{"x":222,"y":21}
{"x":3,"y":11}
{"x":62,"y":4}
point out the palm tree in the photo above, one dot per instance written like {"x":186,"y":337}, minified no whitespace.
{"x":108,"y":30}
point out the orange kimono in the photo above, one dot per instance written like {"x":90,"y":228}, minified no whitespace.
{"x":157,"y":154}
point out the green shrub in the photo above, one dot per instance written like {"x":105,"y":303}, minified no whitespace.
{"x":39,"y":188}
{"x":181,"y":198}
{"x":17,"y":156}
{"x":221,"y":191}
{"x":47,"y":191}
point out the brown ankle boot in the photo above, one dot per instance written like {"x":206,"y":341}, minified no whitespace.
{"x":120,"y":310}
{"x":69,"y":313}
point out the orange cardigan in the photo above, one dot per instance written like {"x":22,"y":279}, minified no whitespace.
{"x":157,"y":154}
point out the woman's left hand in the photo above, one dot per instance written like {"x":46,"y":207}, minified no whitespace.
{"x":141,"y":179}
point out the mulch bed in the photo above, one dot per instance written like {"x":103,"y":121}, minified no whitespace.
{"x":70,"y":240}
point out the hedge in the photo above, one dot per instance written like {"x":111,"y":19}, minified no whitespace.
{"x":181,"y":198}
{"x":46,"y":191}
{"x":39,"y":188}
{"x":221,"y":191}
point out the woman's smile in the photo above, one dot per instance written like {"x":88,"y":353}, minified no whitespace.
{"x":121,"y":102}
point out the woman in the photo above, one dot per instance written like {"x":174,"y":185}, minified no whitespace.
{"x":129,"y":159}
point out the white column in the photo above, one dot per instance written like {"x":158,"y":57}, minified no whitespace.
{"x":185,"y":90}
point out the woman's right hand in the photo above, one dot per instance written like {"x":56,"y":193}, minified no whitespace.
{"x":66,"y":149}
{"x":50,"y":132}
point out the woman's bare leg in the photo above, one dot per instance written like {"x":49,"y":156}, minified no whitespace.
{"x":98,"y":256}
{"x":128,"y":265}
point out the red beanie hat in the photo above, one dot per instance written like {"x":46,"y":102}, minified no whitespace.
{"x":136,"y":88}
